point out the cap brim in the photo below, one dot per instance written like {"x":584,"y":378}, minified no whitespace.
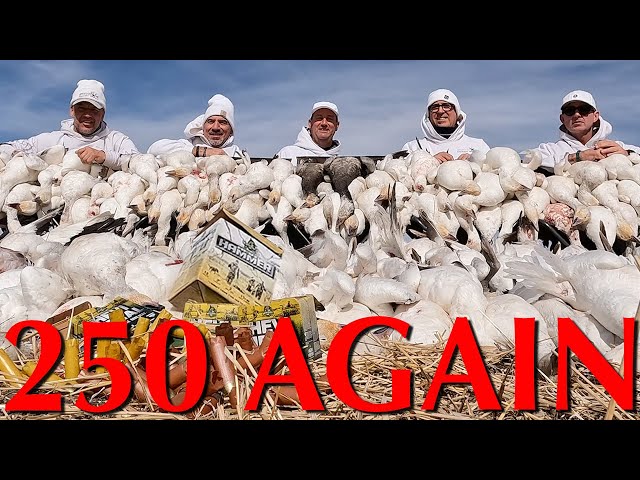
{"x":320,"y":108}
{"x":577,"y":100}
{"x":92,"y":102}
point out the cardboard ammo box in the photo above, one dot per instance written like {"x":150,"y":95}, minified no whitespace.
{"x":132,"y":313}
{"x":261,"y":319}
{"x":228,"y":262}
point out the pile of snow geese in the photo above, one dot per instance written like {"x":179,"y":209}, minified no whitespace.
{"x":405,"y":236}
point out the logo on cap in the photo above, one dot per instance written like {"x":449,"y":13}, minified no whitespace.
{"x":89,"y":94}
{"x":446,"y":97}
{"x":575,"y":95}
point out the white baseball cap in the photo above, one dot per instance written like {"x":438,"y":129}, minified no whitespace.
{"x":331,"y":106}
{"x":579,"y":96}
{"x":91,"y":91}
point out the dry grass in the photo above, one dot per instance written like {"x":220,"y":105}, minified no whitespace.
{"x":371,"y":379}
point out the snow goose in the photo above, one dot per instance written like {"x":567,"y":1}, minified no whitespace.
{"x":100,"y":192}
{"x":11,"y":217}
{"x":619,"y":167}
{"x":152,"y":274}
{"x":177,"y":159}
{"x":74,"y":185}
{"x":165,"y":183}
{"x":46,"y":179}
{"x":520,"y":179}
{"x":503,"y":157}
{"x":54,"y":155}
{"x":186,"y":211}
{"x":362,"y":259}
{"x":95,"y":264}
{"x":333,"y":287}
{"x":531,"y":159}
{"x":457,"y":175}
{"x":291,"y":189}
{"x":465,"y":211}
{"x":355,"y":224}
{"x":591,"y":174}
{"x":601,"y":218}
{"x":250,"y":211}
{"x":356,"y":187}
{"x":602,"y":283}
{"x":564,"y":190}
{"x":282,"y":168}
{"x":12,"y":311}
{"x":332,"y":319}
{"x":430,"y":324}
{"x":391,"y":267}
{"x":422,"y":165}
{"x":226,"y":182}
{"x":145,"y":166}
{"x":15,"y":172}
{"x":4,"y":159}
{"x":170,"y":202}
{"x":71,"y":161}
{"x":499,"y":327}
{"x":330,"y":207}
{"x":81,"y":210}
{"x":295,"y":273}
{"x":491,"y":192}
{"x":327,"y":250}
{"x":258,"y":176}
{"x":510,"y":213}
{"x":278,"y":214}
{"x":10,"y":260}
{"x":456,"y":291}
{"x":489,"y":221}
{"x":382,"y":294}
{"x":23,"y":192}
{"x":534,"y":203}
{"x":629,"y":192}
{"x":43,"y":291}
{"x":607,"y":194}
{"x":553,"y":308}
{"x":438,"y":212}
{"x":27,"y":208}
{"x":379,"y":179}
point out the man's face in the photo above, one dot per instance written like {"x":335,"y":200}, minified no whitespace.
{"x":86,"y":117}
{"x":442,"y":114}
{"x":217,"y":130}
{"x":323,"y":125}
{"x":578,"y":118}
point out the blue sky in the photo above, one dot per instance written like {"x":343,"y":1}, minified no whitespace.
{"x":513,"y":103}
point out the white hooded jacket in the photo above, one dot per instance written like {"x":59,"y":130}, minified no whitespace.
{"x":194,"y":137}
{"x":112,"y":142}
{"x":306,"y":147}
{"x":457,"y":143}
{"x":555,"y":153}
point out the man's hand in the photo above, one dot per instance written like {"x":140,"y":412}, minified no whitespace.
{"x":208,"y":151}
{"x":592,"y":154}
{"x":464,"y":156}
{"x":443,"y":156}
{"x":91,"y":155}
{"x":609,"y":147}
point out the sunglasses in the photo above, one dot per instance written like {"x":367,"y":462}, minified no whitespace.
{"x":582,"y":110}
{"x":446,"y":107}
